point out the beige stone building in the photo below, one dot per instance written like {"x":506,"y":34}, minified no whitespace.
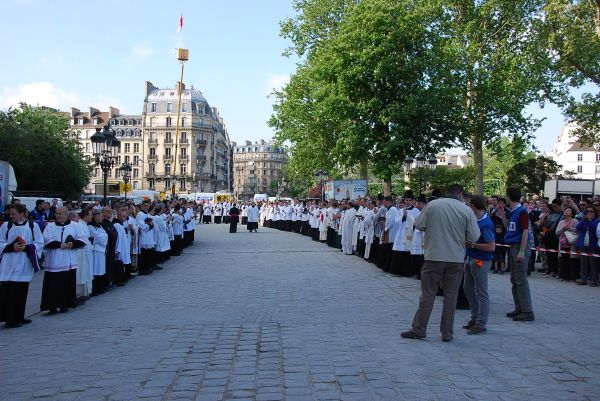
{"x":127,"y":128}
{"x":256,"y":165}
{"x":199,"y":157}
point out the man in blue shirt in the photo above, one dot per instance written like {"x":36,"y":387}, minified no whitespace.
{"x":477,"y":266}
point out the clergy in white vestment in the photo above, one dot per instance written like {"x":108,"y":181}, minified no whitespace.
{"x":347,"y":228}
{"x":100,"y":242}
{"x":21,"y":244}
{"x":369,"y":228}
{"x":135,"y":246}
{"x":123,"y":248}
{"x":163,"y":245}
{"x":324,"y":221}
{"x":189,"y":224}
{"x":207,"y":213}
{"x":400,"y":264}
{"x":85,"y":258}
{"x":218,"y":213}
{"x":61,"y":241}
{"x":146,"y":239}
{"x":253,"y":218}
{"x":384,"y":258}
{"x":177,"y":231}
{"x":416,"y":250}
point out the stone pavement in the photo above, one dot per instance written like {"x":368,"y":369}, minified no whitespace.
{"x":275,"y":316}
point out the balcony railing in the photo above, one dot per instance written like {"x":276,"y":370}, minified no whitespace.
{"x":152,"y":141}
{"x":153,"y":157}
{"x":200,"y":158}
{"x":168,"y":141}
{"x":184,"y":142}
{"x":168,"y":157}
{"x":201,"y":142}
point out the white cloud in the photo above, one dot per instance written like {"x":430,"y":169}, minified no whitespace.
{"x":142,"y":51}
{"x":46,"y":94}
{"x":276,"y":82}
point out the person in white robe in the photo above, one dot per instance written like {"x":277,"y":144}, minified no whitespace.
{"x":253,"y":218}
{"x":207,"y":213}
{"x":146,"y":239}
{"x":161,"y":236}
{"x":369,"y":228}
{"x":347,"y":229}
{"x":324,"y":221}
{"x":177,"y":231}
{"x":21,"y":244}
{"x":218,"y":213}
{"x":417,"y":256}
{"x":135,"y":248}
{"x":123,"y":247}
{"x":61,"y":240}
{"x":85,"y":257}
{"x":100,"y":242}
{"x":400,"y":264}
{"x":189,"y":225}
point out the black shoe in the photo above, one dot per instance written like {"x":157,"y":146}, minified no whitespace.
{"x":469,"y":325}
{"x":64,"y":310}
{"x":447,"y":340}
{"x":513,"y":314}
{"x":12,"y":325}
{"x":159,"y":268}
{"x":524,"y":317}
{"x":411,"y":335}
{"x":52,"y":312}
{"x":476,"y":329}
{"x":26,"y":321}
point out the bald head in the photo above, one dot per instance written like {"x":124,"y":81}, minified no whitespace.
{"x":106,"y":213}
{"x":61,"y":214}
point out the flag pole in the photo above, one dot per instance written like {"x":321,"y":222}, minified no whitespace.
{"x":182,"y":56}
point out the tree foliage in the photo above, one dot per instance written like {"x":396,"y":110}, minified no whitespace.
{"x":572,"y":31}
{"x":44,"y":154}
{"x":531,"y":175}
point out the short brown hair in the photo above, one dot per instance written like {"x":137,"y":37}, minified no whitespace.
{"x":478,"y":202}
{"x":20,"y":208}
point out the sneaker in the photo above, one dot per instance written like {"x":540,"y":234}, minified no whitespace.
{"x":412,"y":335}
{"x":513,"y":314}
{"x":470,"y":324}
{"x":524,"y":317}
{"x":476,"y":329}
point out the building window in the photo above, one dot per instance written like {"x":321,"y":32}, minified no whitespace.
{"x":579,"y":157}
{"x":136,"y":148}
{"x":95,"y":172}
{"x":580,"y":169}
{"x":152,"y":151}
{"x":169,"y":107}
{"x":127,"y":147}
{"x":81,"y":121}
{"x":151,"y":184}
{"x":167,"y":169}
{"x":152,"y":169}
{"x":183,"y":137}
{"x":182,"y":168}
{"x":181,"y":184}
{"x":88,"y":147}
{"x":136,"y":172}
{"x":153,"y":107}
{"x":153,"y":121}
{"x":183,"y":121}
{"x":167,"y":183}
{"x":135,"y":185}
{"x":167,"y":151}
{"x":184,"y":107}
{"x":136,"y":160}
{"x":168,"y":121}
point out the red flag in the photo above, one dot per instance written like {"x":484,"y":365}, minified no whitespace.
{"x":180,"y":25}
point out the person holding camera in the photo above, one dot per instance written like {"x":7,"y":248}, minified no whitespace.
{"x":587,"y":242}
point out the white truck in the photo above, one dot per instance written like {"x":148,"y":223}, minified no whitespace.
{"x":8,"y":183}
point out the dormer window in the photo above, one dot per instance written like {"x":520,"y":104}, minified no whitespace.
{"x":153,"y":107}
{"x":169,"y":107}
{"x":95,"y":121}
{"x":81,"y":121}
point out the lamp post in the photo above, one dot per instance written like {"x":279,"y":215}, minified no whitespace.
{"x":252,"y":180}
{"x":126,"y":172}
{"x":106,"y":149}
{"x":420,"y":162}
{"x":322,"y":175}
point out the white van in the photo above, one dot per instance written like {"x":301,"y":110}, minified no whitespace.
{"x":29,"y":201}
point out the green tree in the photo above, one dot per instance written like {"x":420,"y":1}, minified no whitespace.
{"x":373,"y":91}
{"x":572,"y":31}
{"x":531,"y":175}
{"x":502,"y":70}
{"x":46,"y":156}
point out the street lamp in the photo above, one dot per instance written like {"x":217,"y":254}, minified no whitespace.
{"x":106,"y":149}
{"x":126,"y":173}
{"x":252,"y":179}
{"x":322,"y":175}
{"x":420,"y":161}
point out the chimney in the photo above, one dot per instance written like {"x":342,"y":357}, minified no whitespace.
{"x":149,"y":87}
{"x":248,"y":143}
{"x":74,"y":111}
{"x":93,"y":111}
{"x":177,"y":86}
{"x":113,"y":111}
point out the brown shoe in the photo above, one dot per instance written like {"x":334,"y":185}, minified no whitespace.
{"x":469,"y":325}
{"x":412,"y":335}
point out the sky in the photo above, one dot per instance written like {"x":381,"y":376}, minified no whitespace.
{"x":66,"y":53}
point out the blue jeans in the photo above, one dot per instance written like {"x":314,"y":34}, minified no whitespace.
{"x":476,"y":288}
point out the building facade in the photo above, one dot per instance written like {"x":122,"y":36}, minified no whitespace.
{"x":575,"y":157}
{"x":127,"y":128}
{"x":256,"y":166}
{"x":198,"y":159}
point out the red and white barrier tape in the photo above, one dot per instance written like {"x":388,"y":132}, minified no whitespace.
{"x":540,"y":249}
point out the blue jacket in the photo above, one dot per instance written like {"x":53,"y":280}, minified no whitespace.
{"x":589,"y":226}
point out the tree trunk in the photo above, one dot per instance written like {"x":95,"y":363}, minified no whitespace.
{"x":364,"y":169}
{"x":387,"y":186}
{"x":597,"y":3}
{"x":477,"y":144}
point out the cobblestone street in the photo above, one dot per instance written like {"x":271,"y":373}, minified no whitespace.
{"x":275,"y":316}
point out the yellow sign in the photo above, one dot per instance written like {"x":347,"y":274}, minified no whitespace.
{"x":124,"y":187}
{"x":223,"y":198}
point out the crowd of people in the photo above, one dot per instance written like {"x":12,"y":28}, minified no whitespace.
{"x":85,"y":251}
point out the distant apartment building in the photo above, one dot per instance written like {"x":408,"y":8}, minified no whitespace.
{"x":198,"y":158}
{"x":127,"y":128}
{"x":256,"y":165}
{"x":452,"y":160}
{"x":573,"y":156}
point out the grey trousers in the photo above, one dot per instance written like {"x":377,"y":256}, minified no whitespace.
{"x":433,"y":273}
{"x":589,"y":265}
{"x":518,"y":279}
{"x":476,"y":289}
